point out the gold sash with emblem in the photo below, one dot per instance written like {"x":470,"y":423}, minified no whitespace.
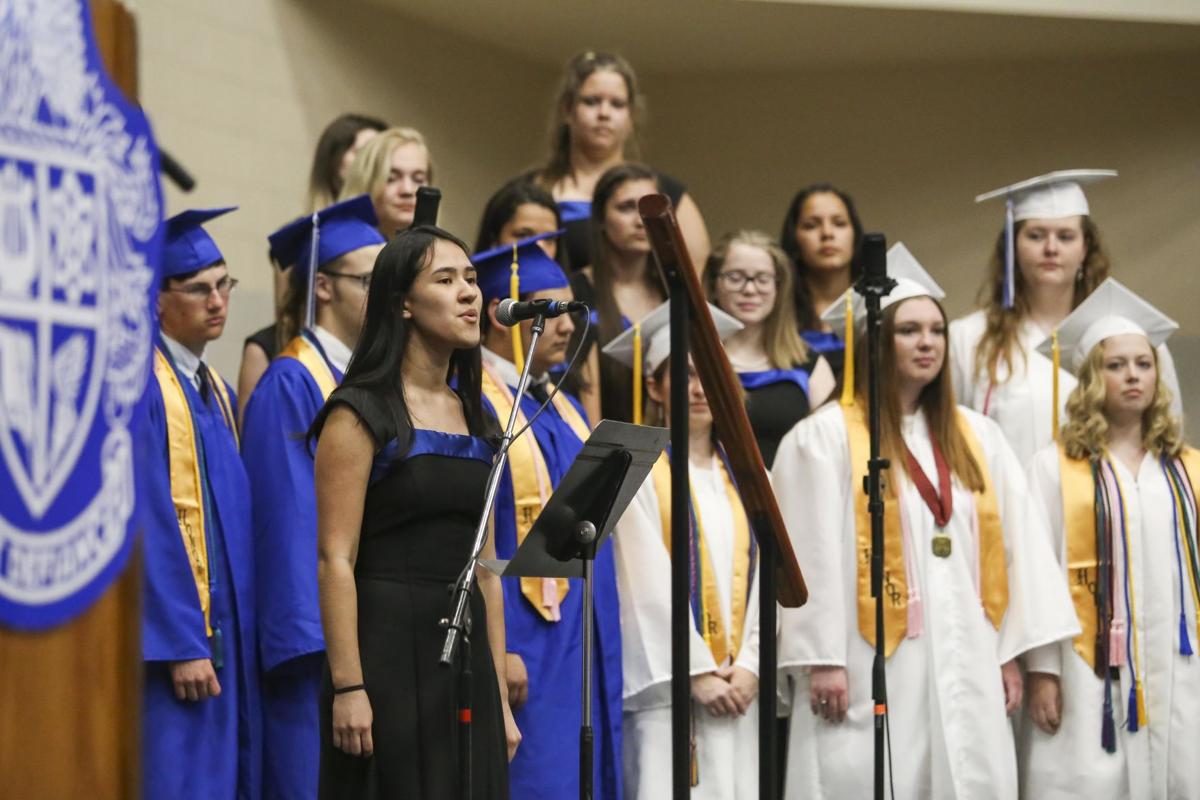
{"x":531,"y":481}
{"x":993,"y":570}
{"x":1079,"y":529}
{"x":723,"y":644}
{"x":187,"y":490}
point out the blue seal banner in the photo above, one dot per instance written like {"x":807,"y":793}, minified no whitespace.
{"x":80,"y":211}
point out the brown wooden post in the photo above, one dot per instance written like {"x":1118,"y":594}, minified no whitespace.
{"x":70,"y":698}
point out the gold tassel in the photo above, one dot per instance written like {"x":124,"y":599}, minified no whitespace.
{"x":1056,"y":357}
{"x":848,"y":363}
{"x":514,"y":285}
{"x":695,"y":757}
{"x":637,"y":374}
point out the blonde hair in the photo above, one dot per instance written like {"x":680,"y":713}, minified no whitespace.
{"x":999,"y":341}
{"x":1086,"y":433}
{"x":936,"y":402}
{"x":368,"y":173}
{"x":785,"y":348}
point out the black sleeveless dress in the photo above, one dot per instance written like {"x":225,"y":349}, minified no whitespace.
{"x":266,"y":339}
{"x":417,"y":532}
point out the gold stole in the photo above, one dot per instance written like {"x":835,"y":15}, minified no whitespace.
{"x":723,"y":644}
{"x":187,"y":491}
{"x":301,"y":349}
{"x":993,"y":570}
{"x":1079,"y":529}
{"x":530,"y":477}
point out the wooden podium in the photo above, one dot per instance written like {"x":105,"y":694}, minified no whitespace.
{"x":70,"y":698}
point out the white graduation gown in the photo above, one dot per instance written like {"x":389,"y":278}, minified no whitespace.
{"x":1160,"y":761}
{"x":950,"y":737}
{"x":727,"y":748}
{"x":1022,"y":404}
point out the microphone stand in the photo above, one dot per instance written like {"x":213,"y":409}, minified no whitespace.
{"x":874,"y":285}
{"x":457,"y":647}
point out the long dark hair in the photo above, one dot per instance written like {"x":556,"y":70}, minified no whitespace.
{"x":324,"y":184}
{"x":379,"y":355}
{"x":502,"y":207}
{"x":805,"y":313}
{"x":616,"y":379}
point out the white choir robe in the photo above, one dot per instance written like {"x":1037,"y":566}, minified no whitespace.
{"x":1023,"y":404}
{"x":950,"y":737}
{"x":727,"y":748}
{"x":1160,"y":760}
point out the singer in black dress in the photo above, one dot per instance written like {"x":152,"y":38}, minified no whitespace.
{"x":401,"y":465}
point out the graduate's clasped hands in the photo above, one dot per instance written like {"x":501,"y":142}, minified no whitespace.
{"x":727,"y":692}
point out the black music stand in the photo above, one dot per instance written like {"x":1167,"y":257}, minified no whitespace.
{"x":563,"y":542}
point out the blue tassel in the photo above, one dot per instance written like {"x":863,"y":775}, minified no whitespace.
{"x":1185,"y":643}
{"x":1108,"y":728}
{"x":1133,"y":709}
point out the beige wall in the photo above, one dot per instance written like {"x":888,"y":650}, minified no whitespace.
{"x":239,"y":91}
{"x":915,"y":145}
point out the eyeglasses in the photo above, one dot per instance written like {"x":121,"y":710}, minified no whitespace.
{"x":737,"y":280}
{"x":202,"y":291}
{"x":363,"y":280}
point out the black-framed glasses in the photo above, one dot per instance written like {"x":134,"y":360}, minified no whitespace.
{"x":202,"y":291}
{"x":363,"y":280}
{"x":736,"y":280}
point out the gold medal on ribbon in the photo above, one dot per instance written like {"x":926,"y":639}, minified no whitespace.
{"x":941,"y":544}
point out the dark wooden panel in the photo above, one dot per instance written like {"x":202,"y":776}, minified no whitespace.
{"x":724,"y":395}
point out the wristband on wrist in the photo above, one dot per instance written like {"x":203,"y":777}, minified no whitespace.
{"x":358,"y":687}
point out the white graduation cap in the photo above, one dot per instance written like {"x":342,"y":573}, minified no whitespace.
{"x":1110,"y":310}
{"x":912,"y":280}
{"x":1054,"y":195}
{"x":647,"y":344}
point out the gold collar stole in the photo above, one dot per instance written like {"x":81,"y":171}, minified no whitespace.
{"x":188,"y":489}
{"x":531,"y":485}
{"x":706,"y":603}
{"x":993,"y":570}
{"x":302,"y":350}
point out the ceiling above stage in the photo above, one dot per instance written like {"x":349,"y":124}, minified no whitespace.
{"x":710,"y":36}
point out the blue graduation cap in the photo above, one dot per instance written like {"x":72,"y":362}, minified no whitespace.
{"x":337,"y":229}
{"x":314,"y":240}
{"x":187,"y":246}
{"x":512,"y":270}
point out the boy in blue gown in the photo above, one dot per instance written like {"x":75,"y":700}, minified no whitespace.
{"x":277,"y":458}
{"x":201,"y":719}
{"x":543,"y":617}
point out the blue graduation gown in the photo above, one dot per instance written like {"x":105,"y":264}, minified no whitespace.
{"x":210,"y":748}
{"x":546,"y":764}
{"x":291,"y":643}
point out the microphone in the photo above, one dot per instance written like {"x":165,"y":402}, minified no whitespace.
{"x":426,"y":212}
{"x":175,"y":171}
{"x":874,"y":256}
{"x":510,"y":311}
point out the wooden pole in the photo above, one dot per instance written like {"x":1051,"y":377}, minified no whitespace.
{"x":70,"y":697}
